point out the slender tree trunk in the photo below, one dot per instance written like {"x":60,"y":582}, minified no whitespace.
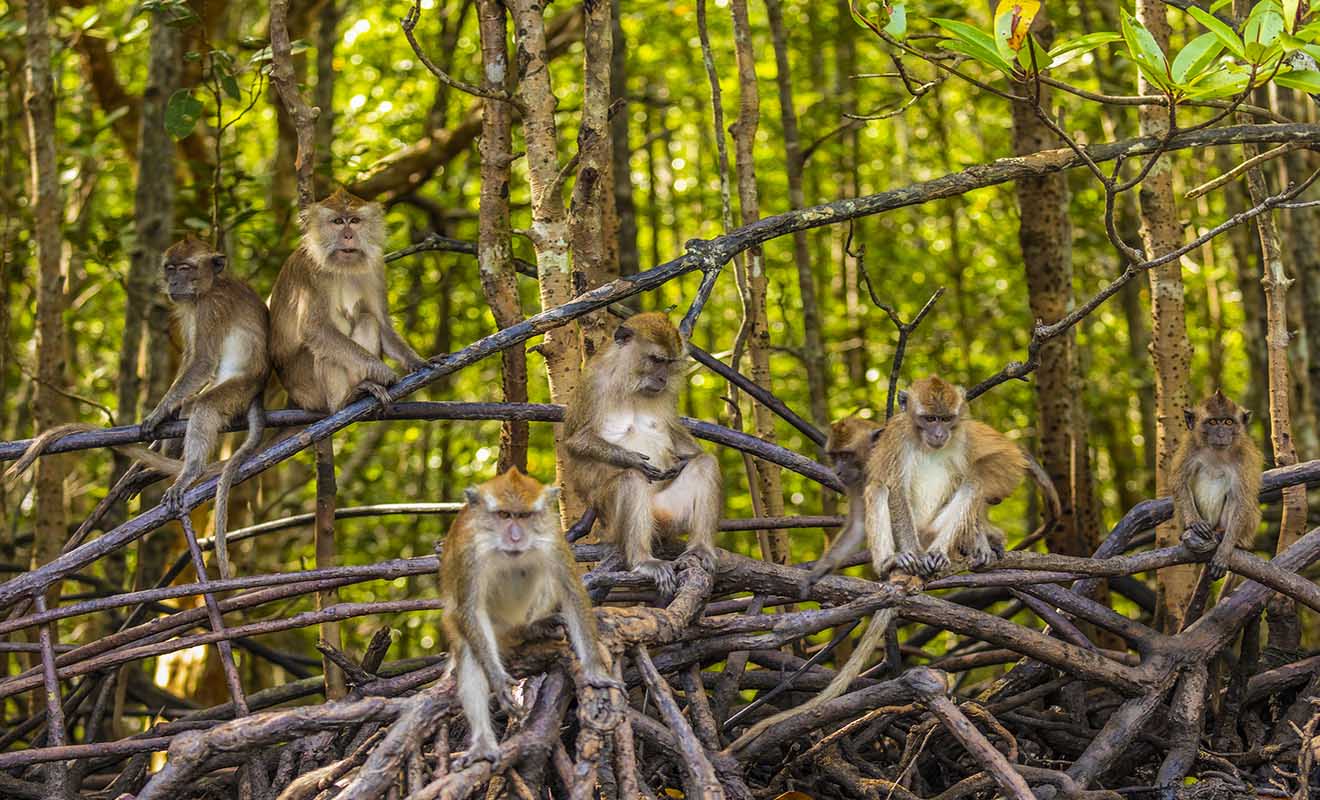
{"x":323,"y":97}
{"x":592,"y":202}
{"x":499,"y":282}
{"x":847,"y":175}
{"x":813,"y":347}
{"x":1045,"y":237}
{"x":1160,"y":233}
{"x":1304,"y":249}
{"x":625,"y":210}
{"x":775,"y":545}
{"x":562,"y":347}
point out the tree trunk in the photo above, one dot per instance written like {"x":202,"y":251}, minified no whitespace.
{"x":775,"y":544}
{"x":589,"y":228}
{"x":813,"y":347}
{"x":1045,"y":236}
{"x":1246,"y":253}
{"x":499,"y":282}
{"x":323,"y":97}
{"x":625,"y":210}
{"x":561,"y":348}
{"x":1160,"y":233}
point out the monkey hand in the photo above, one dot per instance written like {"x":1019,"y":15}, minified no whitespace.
{"x":1199,"y":537}
{"x":1218,"y":566}
{"x":599,"y":707}
{"x":932,"y":564}
{"x":153,"y":421}
{"x":172,"y":499}
{"x":642,"y":463}
{"x":415,"y":362}
{"x":662,"y":572}
{"x":911,"y":563}
{"x":510,"y":703}
{"x":983,"y":555}
{"x":673,"y":472}
{"x":377,"y":391}
{"x":705,"y":556}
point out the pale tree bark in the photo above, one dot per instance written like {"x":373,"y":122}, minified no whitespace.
{"x":813,"y":347}
{"x":1160,"y":233}
{"x":1045,"y":237}
{"x":562,"y":347}
{"x":625,"y":210}
{"x":590,"y":231}
{"x":774,"y":544}
{"x":499,"y":282}
{"x":1246,"y":255}
{"x":50,"y":404}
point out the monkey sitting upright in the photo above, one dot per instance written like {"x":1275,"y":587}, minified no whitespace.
{"x":848,"y":448}
{"x":631,"y":457}
{"x":948,"y":468}
{"x":225,"y":366}
{"x":330,"y":320}
{"x":505,"y":566}
{"x":1216,"y":481}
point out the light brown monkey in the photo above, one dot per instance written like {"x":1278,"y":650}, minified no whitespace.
{"x":225,"y":366}
{"x":330,"y":322}
{"x":631,"y":457}
{"x":1216,"y":481}
{"x":505,"y":566}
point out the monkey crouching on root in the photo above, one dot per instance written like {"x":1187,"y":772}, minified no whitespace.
{"x":224,"y":326}
{"x":1216,"y":481}
{"x":330,"y":321}
{"x":505,"y":566}
{"x":631,"y":457}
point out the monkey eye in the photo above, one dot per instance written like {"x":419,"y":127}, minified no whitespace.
{"x":338,"y":220}
{"x":1229,"y":422}
{"x":504,"y":515}
{"x":354,"y":220}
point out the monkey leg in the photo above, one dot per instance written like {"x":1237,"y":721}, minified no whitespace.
{"x":960,"y":514}
{"x":632,"y":515}
{"x":691,"y":502}
{"x":198,"y":442}
{"x":474,"y":695}
{"x":986,"y":546}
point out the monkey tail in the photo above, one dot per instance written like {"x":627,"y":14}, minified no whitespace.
{"x":869,"y":643}
{"x":150,"y":458}
{"x":256,"y":418}
{"x":1047,"y":490}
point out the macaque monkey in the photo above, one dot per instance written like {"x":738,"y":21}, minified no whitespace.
{"x":330,"y":322}
{"x":1216,"y":481}
{"x":629,"y":455}
{"x":224,"y":327}
{"x":505,"y":566}
{"x":848,"y":448}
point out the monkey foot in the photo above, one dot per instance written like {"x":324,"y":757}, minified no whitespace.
{"x":662,"y":572}
{"x":983,"y":558}
{"x":910,"y":563}
{"x":510,"y":704}
{"x":599,"y":705}
{"x":547,"y":628}
{"x":1199,"y":537}
{"x":1217,"y":568}
{"x":172,"y":499}
{"x":478,"y":752}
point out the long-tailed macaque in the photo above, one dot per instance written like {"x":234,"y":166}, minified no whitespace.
{"x":631,"y":457}
{"x":505,"y":566}
{"x":225,"y":366}
{"x":1216,"y":481}
{"x":330,"y":321}
{"x":848,"y":448}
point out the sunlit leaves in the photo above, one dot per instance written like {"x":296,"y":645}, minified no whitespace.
{"x":1308,"y":80}
{"x":1194,"y":59}
{"x":1063,"y":53}
{"x":973,"y":42}
{"x":1145,"y":52}
{"x":181,"y":113}
{"x":1221,"y":30}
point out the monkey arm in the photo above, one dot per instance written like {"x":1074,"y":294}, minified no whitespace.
{"x":191,"y":379}
{"x":844,"y":544}
{"x":1184,"y":502}
{"x":588,"y":445}
{"x":397,"y":348}
{"x":581,"y":623}
{"x":879,"y":527}
{"x":326,"y":341}
{"x":961,"y":513}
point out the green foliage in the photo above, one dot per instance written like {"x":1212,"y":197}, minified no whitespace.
{"x":181,"y":113}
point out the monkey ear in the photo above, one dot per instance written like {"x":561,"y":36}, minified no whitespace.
{"x":1189,"y":417}
{"x":875,"y":435}
{"x":473,"y":495}
{"x":902,"y":400}
{"x":1246,"y":418}
{"x":549,"y":496}
{"x":218,"y":262}
{"x":623,"y":334}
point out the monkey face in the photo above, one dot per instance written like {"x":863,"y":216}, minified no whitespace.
{"x":655,"y":368}
{"x":1217,"y":421}
{"x":515,"y":514}
{"x":935,"y":429}
{"x":191,"y":277}
{"x":1219,"y":431}
{"x":846,"y":467}
{"x":344,"y":231}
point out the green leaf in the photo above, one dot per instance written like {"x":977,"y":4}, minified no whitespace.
{"x":971,"y":41}
{"x":1195,"y":58}
{"x":897,"y":26}
{"x":1308,"y":80}
{"x":181,"y":113}
{"x":230,"y":86}
{"x":1063,"y":53}
{"x":1261,"y":32}
{"x":1144,"y":51}
{"x":1220,"y":29}
{"x":1220,"y":83}
{"x":1290,"y":15}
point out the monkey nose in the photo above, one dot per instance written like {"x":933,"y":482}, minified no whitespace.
{"x":515,"y":533}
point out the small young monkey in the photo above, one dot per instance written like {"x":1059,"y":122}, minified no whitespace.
{"x":631,"y":457}
{"x":505,"y":566}
{"x":330,"y":321}
{"x":1216,"y":481}
{"x":224,"y":327}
